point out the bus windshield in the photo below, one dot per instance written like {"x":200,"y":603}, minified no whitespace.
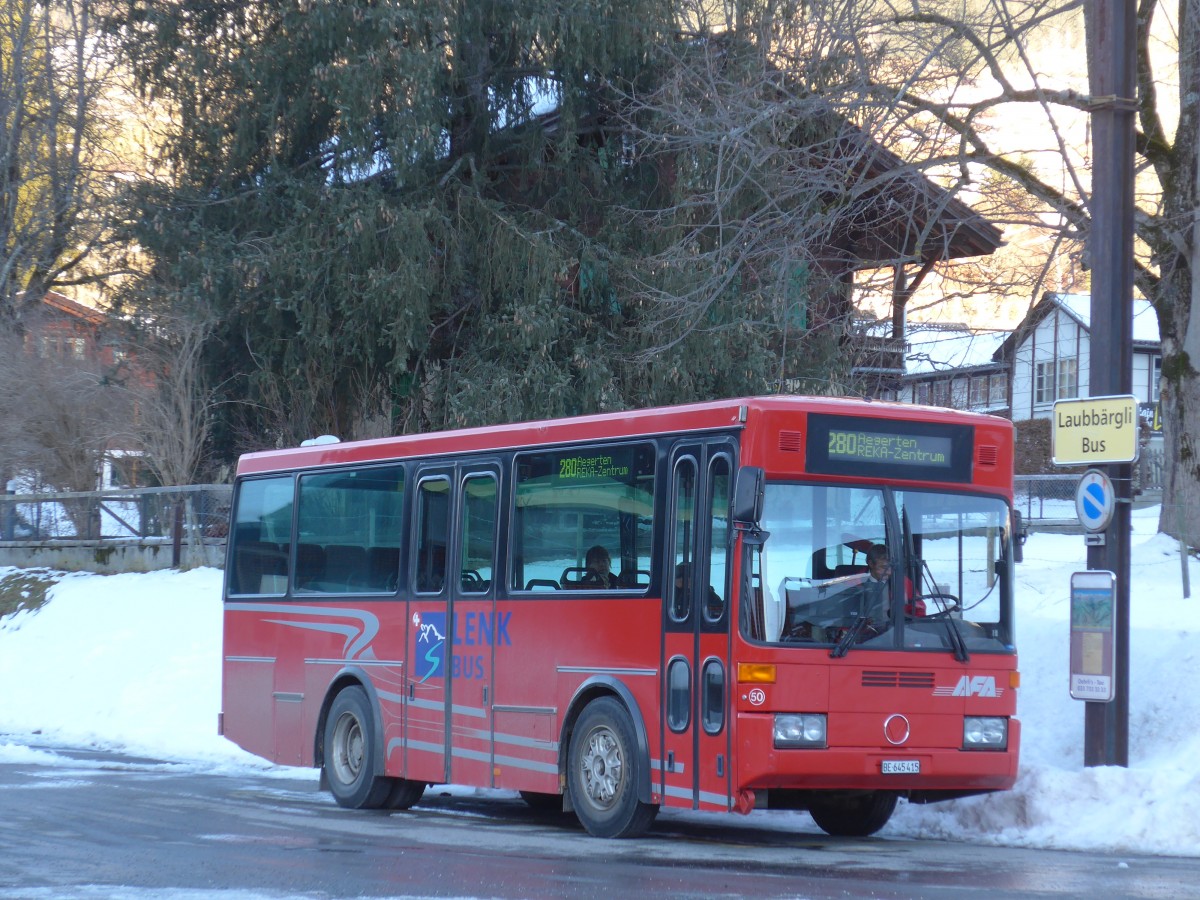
{"x":886,"y":568}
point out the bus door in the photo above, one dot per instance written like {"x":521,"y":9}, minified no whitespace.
{"x":452,"y":626}
{"x":695,"y":763}
{"x":475,"y":626}
{"x":427,"y":749}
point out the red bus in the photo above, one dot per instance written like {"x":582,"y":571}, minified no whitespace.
{"x":421,"y":610}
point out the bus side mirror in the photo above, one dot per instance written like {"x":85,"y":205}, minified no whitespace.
{"x":748,"y":495}
{"x":1020,"y":533}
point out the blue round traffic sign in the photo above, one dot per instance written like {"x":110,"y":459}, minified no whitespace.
{"x":1095,"y":500}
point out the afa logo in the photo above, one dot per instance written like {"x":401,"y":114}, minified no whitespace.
{"x":979,"y":686}
{"x":429,"y":649}
{"x":971,"y":686}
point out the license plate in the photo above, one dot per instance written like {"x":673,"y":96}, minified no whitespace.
{"x":901,"y":767}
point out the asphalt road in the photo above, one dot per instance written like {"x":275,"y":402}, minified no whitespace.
{"x":117,"y":827}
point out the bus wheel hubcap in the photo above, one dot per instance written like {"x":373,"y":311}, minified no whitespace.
{"x":347,"y":749}
{"x":602,"y":767}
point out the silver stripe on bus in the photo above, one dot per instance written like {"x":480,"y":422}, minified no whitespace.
{"x":504,"y":738}
{"x":601,"y":670}
{"x":473,"y":711}
{"x":477,"y":755}
{"x":519,"y":741}
{"x":417,"y":745}
{"x":358,"y":637}
{"x":705,"y":796}
{"x":250,"y":659}
{"x":660,"y":766}
{"x":530,"y":765}
{"x":288,"y":696}
{"x":363,"y":663}
{"x":426,"y":704}
{"x":532,"y":710}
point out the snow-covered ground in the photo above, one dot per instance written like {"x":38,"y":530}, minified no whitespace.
{"x":133,"y":662}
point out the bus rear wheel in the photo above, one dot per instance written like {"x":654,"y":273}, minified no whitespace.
{"x":403,"y":794}
{"x":350,"y":753}
{"x":854,"y":815}
{"x":602,"y":773}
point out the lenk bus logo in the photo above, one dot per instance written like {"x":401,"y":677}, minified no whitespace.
{"x":979,"y":686}
{"x":428,"y":657}
{"x":472,"y":629}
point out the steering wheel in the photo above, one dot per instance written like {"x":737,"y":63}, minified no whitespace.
{"x":947,"y":603}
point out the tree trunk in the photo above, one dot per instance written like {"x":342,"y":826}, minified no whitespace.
{"x":1178,"y":257}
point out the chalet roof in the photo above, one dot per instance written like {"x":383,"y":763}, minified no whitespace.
{"x":903,"y":213}
{"x":942,"y":348}
{"x":63,"y":304}
{"x":1079,"y":307}
{"x":915,"y":217}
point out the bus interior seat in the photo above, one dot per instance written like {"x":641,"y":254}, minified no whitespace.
{"x":543,"y":584}
{"x":261,"y":568}
{"x":383,"y":568}
{"x":472,"y":582}
{"x":310,"y":564}
{"x":573,"y":577}
{"x":824,"y":572}
{"x":639,"y":578}
{"x":345,"y":566}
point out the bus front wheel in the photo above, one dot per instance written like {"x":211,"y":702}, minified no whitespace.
{"x":350,"y":753}
{"x":854,"y":815}
{"x":603,"y":772}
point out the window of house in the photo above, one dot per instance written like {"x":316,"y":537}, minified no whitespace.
{"x":1055,"y":380}
{"x":1043,"y":382}
{"x":979,"y":390}
{"x":958,"y":393}
{"x":1155,"y":379}
{"x":997,"y":390}
{"x":941,"y":393}
{"x":923,"y":392}
{"x":1068,"y":378}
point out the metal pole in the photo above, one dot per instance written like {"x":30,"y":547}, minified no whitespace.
{"x":1112,"y":35}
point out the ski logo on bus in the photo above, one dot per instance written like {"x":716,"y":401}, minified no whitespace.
{"x":473,"y":631}
{"x":428,"y":658}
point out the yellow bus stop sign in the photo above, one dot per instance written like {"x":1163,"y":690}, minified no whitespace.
{"x":1095,"y":430}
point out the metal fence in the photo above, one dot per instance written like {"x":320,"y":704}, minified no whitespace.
{"x":1052,"y":497}
{"x":190,"y":513}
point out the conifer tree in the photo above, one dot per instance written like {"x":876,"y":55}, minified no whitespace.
{"x":452,"y":212}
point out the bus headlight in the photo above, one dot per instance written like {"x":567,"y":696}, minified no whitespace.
{"x":985,"y":733}
{"x":800,"y":730}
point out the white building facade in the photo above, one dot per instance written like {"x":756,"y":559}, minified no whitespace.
{"x":1049,"y":355}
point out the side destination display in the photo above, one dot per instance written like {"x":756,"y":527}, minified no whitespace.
{"x":1095,"y":430}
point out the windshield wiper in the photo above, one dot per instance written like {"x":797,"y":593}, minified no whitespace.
{"x":849,"y":637}
{"x":956,"y":640}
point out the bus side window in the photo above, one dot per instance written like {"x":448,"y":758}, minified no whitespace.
{"x":433,"y":532}
{"x":262,"y":530}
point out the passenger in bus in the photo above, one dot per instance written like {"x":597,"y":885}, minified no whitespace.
{"x":713,"y":604}
{"x":599,"y":569}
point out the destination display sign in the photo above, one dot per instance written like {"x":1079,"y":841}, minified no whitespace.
{"x":902,"y":449}
{"x":886,"y":448}
{"x":1095,"y":430}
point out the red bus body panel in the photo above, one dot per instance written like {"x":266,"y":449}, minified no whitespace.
{"x":515,"y":669}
